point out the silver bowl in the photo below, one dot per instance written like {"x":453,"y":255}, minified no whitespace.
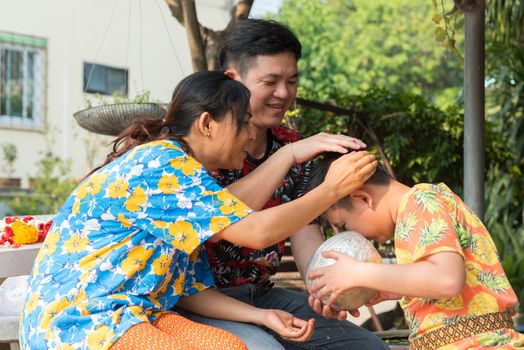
{"x":114,"y":118}
{"x":356,"y":246}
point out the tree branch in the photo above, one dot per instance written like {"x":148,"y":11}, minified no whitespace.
{"x":176,"y":10}
{"x":204,"y":43}
{"x":361,"y":119}
{"x":196,"y":45}
{"x":241,"y":10}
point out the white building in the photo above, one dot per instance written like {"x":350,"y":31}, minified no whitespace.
{"x":47,"y":48}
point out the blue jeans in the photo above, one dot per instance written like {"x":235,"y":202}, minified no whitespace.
{"x":329,"y":334}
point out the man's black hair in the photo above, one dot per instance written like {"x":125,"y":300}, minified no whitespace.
{"x":246,"y":39}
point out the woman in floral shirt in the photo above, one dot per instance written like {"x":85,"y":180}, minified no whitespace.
{"x":126,"y":245}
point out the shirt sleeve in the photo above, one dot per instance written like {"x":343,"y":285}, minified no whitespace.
{"x":301,"y":174}
{"x":302,"y":178}
{"x":426,"y":226}
{"x":201,"y":276}
{"x":179,"y":202}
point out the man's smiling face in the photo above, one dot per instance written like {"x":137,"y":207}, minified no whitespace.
{"x":272,"y":81}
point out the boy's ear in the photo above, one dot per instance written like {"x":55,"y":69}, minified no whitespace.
{"x":361,"y":197}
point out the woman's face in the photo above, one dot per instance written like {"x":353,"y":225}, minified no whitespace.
{"x":230,"y":142}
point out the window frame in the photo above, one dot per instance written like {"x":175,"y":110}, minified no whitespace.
{"x":89,"y":67}
{"x":38,"y":94}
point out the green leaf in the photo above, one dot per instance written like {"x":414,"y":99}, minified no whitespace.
{"x":440,"y":34}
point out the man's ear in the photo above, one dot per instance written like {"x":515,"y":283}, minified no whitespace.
{"x":232,"y":73}
{"x":204,"y":124}
{"x":361,"y":197}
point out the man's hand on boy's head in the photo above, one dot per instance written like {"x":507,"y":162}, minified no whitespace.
{"x":306,"y":149}
{"x":328,"y":312}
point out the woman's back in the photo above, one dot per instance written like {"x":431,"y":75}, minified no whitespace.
{"x":125,"y":246}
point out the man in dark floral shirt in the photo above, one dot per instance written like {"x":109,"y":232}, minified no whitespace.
{"x":234,"y":265}
{"x":263,"y":56}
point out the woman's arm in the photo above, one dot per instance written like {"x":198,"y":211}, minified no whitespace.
{"x":256,"y":188}
{"x":441,"y":275}
{"x":264,"y":228}
{"x":213,"y":304}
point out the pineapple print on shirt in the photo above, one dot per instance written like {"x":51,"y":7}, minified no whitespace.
{"x":432,"y":219}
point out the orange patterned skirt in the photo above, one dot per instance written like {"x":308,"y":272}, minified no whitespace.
{"x":172,"y":331}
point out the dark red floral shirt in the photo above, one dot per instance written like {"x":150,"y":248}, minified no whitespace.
{"x":234,"y":265}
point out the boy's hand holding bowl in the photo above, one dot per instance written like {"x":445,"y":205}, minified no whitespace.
{"x":322,"y":281}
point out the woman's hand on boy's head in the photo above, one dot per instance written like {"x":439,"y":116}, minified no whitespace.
{"x":349,"y":172}
{"x":308,"y":148}
{"x":288,"y":326}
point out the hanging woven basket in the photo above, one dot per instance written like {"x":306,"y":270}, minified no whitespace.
{"x":114,"y":118}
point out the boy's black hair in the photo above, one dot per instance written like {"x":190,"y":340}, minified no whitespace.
{"x":248,"y":38}
{"x":319,"y":171}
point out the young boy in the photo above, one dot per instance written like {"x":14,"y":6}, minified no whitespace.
{"x":455,"y":292}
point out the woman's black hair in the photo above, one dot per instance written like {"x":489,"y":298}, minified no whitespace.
{"x":210,"y":91}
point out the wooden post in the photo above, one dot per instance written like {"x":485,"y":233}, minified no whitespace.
{"x":474,"y":107}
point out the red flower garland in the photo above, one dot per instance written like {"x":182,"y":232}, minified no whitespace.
{"x":15,"y":231}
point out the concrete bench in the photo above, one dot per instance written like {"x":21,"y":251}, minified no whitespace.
{"x":14,"y":262}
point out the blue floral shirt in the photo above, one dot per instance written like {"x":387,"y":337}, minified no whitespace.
{"x":125,"y":247}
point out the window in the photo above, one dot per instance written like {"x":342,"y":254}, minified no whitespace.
{"x":105,"y":80}
{"x":21,"y":80}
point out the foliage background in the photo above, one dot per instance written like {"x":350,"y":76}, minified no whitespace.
{"x":396,"y":66}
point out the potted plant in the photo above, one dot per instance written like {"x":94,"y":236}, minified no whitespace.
{"x":9,"y":154}
{"x":111,"y":117}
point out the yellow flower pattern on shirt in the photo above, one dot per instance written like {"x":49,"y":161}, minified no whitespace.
{"x":125,"y":246}
{"x":188,"y":165}
{"x":231,"y":205}
{"x":92,"y":186}
{"x":76,"y":243}
{"x":168,"y":184}
{"x":118,"y":188}
{"x":136,"y":200}
{"x":431,"y":220}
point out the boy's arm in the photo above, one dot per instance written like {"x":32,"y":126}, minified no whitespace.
{"x":213,"y":304}
{"x":441,"y":275}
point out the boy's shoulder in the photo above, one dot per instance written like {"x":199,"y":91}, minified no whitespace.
{"x":436,"y":189}
{"x":432,"y":196}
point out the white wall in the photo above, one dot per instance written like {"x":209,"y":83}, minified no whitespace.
{"x":75,"y":31}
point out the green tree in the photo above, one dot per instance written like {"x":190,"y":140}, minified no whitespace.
{"x":51,"y":187}
{"x":9,"y":153}
{"x":385,"y":61}
{"x":505,"y":102}
{"x":352,"y":45}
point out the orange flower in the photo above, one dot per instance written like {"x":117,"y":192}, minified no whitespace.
{"x":24,"y":233}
